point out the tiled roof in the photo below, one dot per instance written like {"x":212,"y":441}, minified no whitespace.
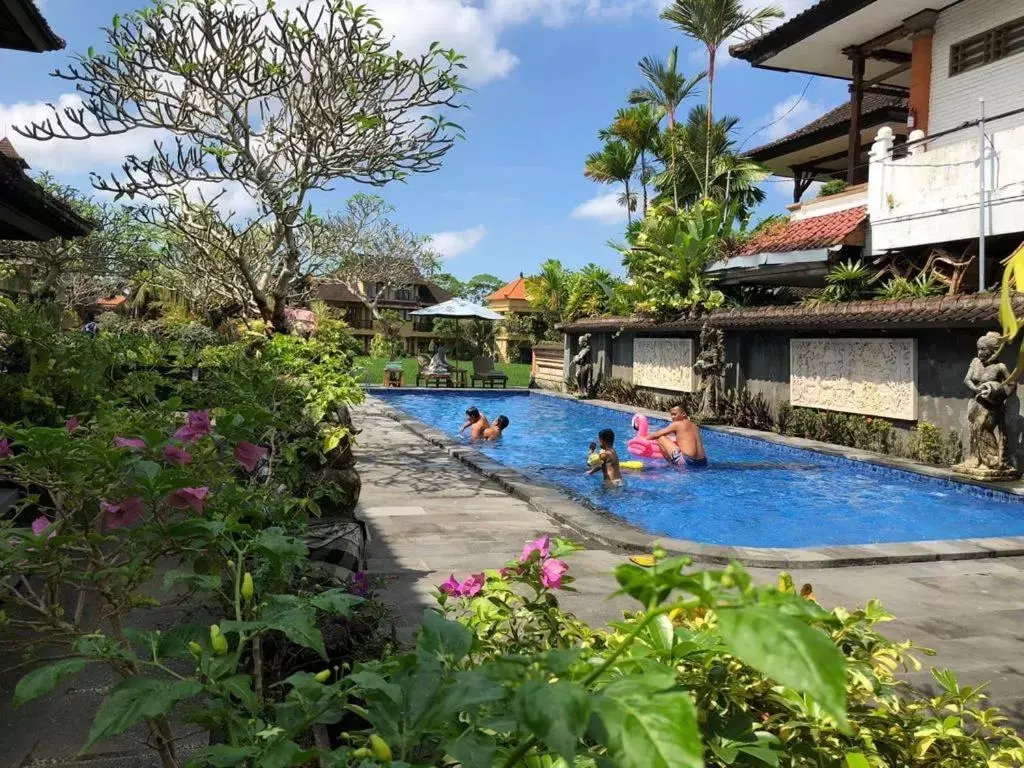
{"x":7,"y":150}
{"x":807,"y":234}
{"x":875,"y":108}
{"x":963,"y":311}
{"x":23,"y":28}
{"x":48,"y":216}
{"x":510,"y":291}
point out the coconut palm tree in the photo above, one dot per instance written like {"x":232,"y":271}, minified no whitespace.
{"x":549,"y":290}
{"x":712,"y":22}
{"x":638,"y":127}
{"x":614,"y":164}
{"x":665,"y":87}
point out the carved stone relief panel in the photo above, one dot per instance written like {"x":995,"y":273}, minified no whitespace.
{"x":874,"y":377}
{"x":663,"y":364}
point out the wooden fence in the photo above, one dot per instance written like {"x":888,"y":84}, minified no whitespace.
{"x":549,"y":366}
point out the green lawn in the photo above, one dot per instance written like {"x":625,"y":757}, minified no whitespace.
{"x":518,"y":373}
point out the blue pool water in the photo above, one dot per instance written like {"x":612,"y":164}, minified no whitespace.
{"x":754,"y":493}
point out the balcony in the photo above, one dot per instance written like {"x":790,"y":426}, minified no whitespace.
{"x":423,"y":325}
{"x":933,"y":193}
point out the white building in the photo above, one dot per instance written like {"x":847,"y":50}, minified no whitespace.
{"x":925,"y":181}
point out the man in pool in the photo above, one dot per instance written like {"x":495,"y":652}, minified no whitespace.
{"x":608,"y":460}
{"x":495,"y":431}
{"x":476,"y":423}
{"x":680,"y":441}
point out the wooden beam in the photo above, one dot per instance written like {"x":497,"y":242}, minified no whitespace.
{"x":856,"y":97}
{"x":888,"y":54}
{"x":880,"y":41}
{"x":880,"y":79}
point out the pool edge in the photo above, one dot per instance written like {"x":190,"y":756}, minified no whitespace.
{"x":611,"y":530}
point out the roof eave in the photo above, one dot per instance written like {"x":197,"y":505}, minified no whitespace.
{"x":31,"y":23}
{"x":800,"y":27}
{"x":877,"y":117}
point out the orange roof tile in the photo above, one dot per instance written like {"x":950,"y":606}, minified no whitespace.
{"x":511,"y":291}
{"x":806,"y":234}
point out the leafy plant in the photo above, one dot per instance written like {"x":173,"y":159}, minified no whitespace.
{"x":831,"y":187}
{"x":846,"y":281}
{"x":920,"y":287}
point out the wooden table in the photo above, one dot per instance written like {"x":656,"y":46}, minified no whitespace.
{"x":459,"y":377}
{"x":394,"y":377}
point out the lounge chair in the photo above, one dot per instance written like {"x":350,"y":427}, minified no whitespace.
{"x":424,"y":379}
{"x":483,"y":371}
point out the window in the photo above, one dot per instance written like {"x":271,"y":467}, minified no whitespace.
{"x":991,"y":45}
{"x":403,"y":294}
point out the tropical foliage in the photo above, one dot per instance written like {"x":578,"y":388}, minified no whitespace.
{"x":563,"y":295}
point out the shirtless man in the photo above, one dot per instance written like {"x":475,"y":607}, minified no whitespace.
{"x":476,"y":423}
{"x":680,"y":441}
{"x":494,"y":431}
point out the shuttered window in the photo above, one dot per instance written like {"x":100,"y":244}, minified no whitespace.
{"x":991,"y":45}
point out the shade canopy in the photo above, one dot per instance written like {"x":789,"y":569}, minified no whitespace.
{"x":458,"y":309}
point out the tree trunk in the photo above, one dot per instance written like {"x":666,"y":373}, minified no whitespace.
{"x":629,"y":207}
{"x":711,"y":103}
{"x":643,"y":178}
{"x":672,"y":158}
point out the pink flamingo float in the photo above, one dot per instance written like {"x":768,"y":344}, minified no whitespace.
{"x":642,"y":445}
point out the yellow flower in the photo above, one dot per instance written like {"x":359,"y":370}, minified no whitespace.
{"x":323,"y":677}
{"x":218,"y":642}
{"x":380,"y":748}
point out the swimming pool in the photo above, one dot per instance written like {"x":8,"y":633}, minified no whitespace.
{"x":754,"y":494}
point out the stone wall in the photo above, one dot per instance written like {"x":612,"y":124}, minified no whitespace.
{"x":760,"y":361}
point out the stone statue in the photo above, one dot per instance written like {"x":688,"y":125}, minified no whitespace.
{"x":439,"y":362}
{"x":710,"y":364}
{"x":583,"y":374}
{"x":988,"y":380}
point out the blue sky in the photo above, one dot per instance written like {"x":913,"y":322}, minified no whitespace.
{"x":546,"y":74}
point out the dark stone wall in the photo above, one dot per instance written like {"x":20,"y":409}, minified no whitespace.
{"x":759,"y":360}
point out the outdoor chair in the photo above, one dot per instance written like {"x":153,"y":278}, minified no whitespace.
{"x":483,"y":371}
{"x":424,"y":379}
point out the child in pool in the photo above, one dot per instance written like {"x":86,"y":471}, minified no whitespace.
{"x":476,"y":423}
{"x":609,"y":459}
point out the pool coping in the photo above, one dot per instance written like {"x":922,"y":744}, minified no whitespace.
{"x":591,"y":520}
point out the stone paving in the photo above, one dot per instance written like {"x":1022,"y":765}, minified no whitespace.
{"x":430,"y":515}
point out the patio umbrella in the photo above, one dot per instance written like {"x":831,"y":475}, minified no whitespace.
{"x":458,"y":309}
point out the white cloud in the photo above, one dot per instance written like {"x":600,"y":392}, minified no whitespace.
{"x":788,"y":115}
{"x":604,"y":208}
{"x":68,"y":156}
{"x":452,"y":244}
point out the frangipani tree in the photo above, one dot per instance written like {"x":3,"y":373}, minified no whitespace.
{"x":279,"y":102}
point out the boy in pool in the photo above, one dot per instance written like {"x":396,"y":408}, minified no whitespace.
{"x":680,"y":441}
{"x":609,"y":459}
{"x":495,"y":431}
{"x":476,"y":423}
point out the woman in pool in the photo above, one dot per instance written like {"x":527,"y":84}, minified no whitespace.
{"x":495,"y":431}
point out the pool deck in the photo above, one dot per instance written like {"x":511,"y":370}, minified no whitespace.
{"x":431,"y":515}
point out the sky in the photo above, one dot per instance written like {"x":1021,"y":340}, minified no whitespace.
{"x":545,"y":75}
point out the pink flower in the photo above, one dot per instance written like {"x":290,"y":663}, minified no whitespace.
{"x":39,"y":525}
{"x":450,"y":586}
{"x":176,"y":455}
{"x":134,"y":443}
{"x":186,"y":498}
{"x":198,"y":427}
{"x":249,"y":455}
{"x":504,"y":572}
{"x":551,"y":573}
{"x":542,"y":545}
{"x":122,"y":513}
{"x":71,"y":425}
{"x":5,"y":448}
{"x":360,"y":585}
{"x":472,"y":585}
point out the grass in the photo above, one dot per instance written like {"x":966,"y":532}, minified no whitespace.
{"x":518,"y":373}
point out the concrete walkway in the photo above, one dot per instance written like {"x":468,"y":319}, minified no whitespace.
{"x":429,"y":516}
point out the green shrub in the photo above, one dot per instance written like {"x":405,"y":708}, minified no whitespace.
{"x":831,"y":187}
{"x":389,"y":349}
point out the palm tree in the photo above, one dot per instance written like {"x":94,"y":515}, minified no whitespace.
{"x":615,"y":164}
{"x":712,"y":22}
{"x":549,"y":290}
{"x":638,"y":127}
{"x":728,"y":175}
{"x":665,"y":89}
